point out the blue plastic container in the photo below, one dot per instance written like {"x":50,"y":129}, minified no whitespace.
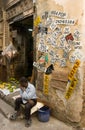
{"x":44,"y":114}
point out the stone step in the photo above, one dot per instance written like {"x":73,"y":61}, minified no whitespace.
{"x":5,"y":108}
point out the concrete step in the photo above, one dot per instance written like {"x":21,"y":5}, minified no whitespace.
{"x":5,"y":108}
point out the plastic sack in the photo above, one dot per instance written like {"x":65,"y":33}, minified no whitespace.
{"x":10,"y":51}
{"x":49,"y":69}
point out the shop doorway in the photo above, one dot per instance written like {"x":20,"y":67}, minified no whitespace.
{"x":22,"y":39}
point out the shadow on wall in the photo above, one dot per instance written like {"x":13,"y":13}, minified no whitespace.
{"x":3,"y":73}
{"x":19,"y":71}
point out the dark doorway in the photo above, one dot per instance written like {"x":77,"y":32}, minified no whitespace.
{"x":23,"y":41}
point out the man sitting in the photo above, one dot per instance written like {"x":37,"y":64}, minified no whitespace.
{"x":28,"y":99}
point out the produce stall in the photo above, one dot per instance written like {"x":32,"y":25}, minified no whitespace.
{"x":9,"y":87}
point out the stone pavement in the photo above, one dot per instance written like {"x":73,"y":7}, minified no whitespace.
{"x":52,"y":124}
{"x":7,"y":107}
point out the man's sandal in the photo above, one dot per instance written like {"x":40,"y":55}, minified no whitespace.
{"x":13,"y":116}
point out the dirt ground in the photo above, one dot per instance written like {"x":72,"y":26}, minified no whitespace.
{"x":52,"y":124}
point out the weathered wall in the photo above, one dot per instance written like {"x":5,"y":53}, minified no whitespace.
{"x":83,"y":110}
{"x":58,"y":80}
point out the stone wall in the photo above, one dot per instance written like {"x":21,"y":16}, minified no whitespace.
{"x":83,"y":109}
{"x":84,"y":86}
{"x":66,"y":110}
{"x":55,"y":98}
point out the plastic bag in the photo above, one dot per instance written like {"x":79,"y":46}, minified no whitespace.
{"x":10,"y":51}
{"x":49,"y":69}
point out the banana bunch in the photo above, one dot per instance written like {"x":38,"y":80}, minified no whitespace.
{"x":2,"y":86}
{"x":11,"y":88}
{"x":8,"y":86}
{"x":11,"y":85}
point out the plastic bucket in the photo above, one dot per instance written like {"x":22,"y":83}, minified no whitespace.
{"x":44,"y":114}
